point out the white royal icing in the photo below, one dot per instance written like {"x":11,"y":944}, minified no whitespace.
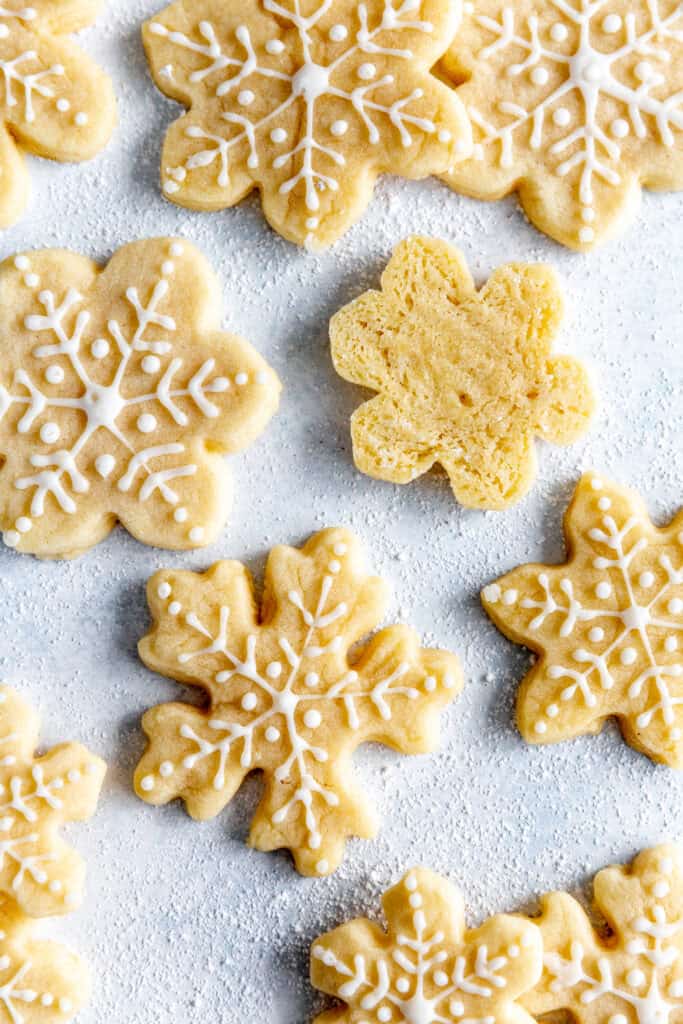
{"x":599,"y":73}
{"x":61,"y":323}
{"x":308,"y":82}
{"x":288,"y":699}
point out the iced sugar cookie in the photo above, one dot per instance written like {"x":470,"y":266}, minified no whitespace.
{"x":607,"y":626}
{"x":631,"y":972}
{"x":465,"y":378}
{"x":38,"y":795}
{"x":308,"y":102}
{"x":54,"y":101}
{"x":119,"y":395}
{"x":575,"y":105}
{"x":285,"y":696}
{"x":40,"y":982}
{"x":426,"y":968}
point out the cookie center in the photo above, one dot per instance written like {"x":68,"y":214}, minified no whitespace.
{"x":590,"y":68}
{"x":102,"y":405}
{"x":285,"y":702}
{"x":635,"y":617}
{"x":311,"y":81}
{"x":419,"y":1010}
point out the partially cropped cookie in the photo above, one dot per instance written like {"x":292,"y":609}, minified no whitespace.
{"x":575,"y":105}
{"x":40,"y":982}
{"x":308,"y":103}
{"x":607,"y":626}
{"x":632,"y":968}
{"x":465,"y":378}
{"x":38,"y":795}
{"x":55,"y":101}
{"x":119,"y":395}
{"x":427,"y":968}
{"x":289,"y":693}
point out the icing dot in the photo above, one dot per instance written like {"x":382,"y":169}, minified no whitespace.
{"x":628,"y":656}
{"x":366,"y":71}
{"x":241,"y":379}
{"x":666,"y":865}
{"x":596,"y":634}
{"x":340,"y":550}
{"x":63,"y":105}
{"x":334,"y":566}
{"x":611,"y":23}
{"x":448,"y":681}
{"x":604,"y":504}
{"x":196,"y":534}
{"x":440,"y":978}
{"x":596,"y":483}
{"x":552,"y":711}
{"x":411,"y":883}
{"x":278,"y":135}
{"x":586,"y":235}
{"x":167,"y":268}
{"x":274,"y":670}
{"x":174,"y":608}
{"x":99,"y":348}
{"x":513,"y":952}
{"x":619,"y":128}
{"x":166,"y":769}
{"x":180,"y":515}
{"x":21,"y":263}
{"x":644,"y":70}
{"x":23,"y":524}
{"x":617,"y":1018}
{"x":491,"y":593}
{"x":49,"y":433}
{"x":311,"y":679}
{"x":312,"y":719}
{"x":54,"y":375}
{"x":415,"y":900}
{"x":47,"y":999}
{"x":104,"y":464}
{"x":675,"y":606}
{"x":635,"y":978}
{"x":272,"y":734}
{"x":146,"y":423}
{"x":603,"y":590}
{"x":670,"y":644}
{"x":31,"y":280}
{"x":540,"y":728}
{"x":312,"y":223}
{"x":147,"y":783}
{"x":249,"y":701}
{"x":539,"y":76}
{"x":588,"y":215}
{"x":444,"y":135}
{"x":558,"y":32}
{"x":322,"y":866}
{"x":646,"y":579}
{"x":164,"y":590}
{"x":274,"y":46}
{"x":245,"y":98}
{"x":176,"y":249}
{"x":402,"y":985}
{"x":65,"y":1005}
{"x":510,"y":596}
{"x":456,"y":1007}
{"x":339,"y":128}
{"x":338,"y":33}
{"x":562,"y":117}
{"x":430,"y":684}
{"x":151,"y":364}
{"x":81,"y":119}
{"x":661,"y":888}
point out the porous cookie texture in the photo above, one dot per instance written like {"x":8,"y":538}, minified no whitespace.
{"x":607,"y":626}
{"x":285,"y":696}
{"x":306,"y":100}
{"x":40,"y":982}
{"x":54,"y":101}
{"x":118,"y":396}
{"x":575,"y":104}
{"x":630,"y":971}
{"x":38,"y":871}
{"x":465,"y":377}
{"x":426,"y":968}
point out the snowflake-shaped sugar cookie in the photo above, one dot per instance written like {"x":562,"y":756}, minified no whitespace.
{"x":465,"y":377}
{"x":607,"y":626}
{"x":306,"y":100}
{"x":54,"y":101}
{"x":632,"y":976}
{"x":38,"y":871}
{"x":40,"y":982}
{"x":426,"y":968}
{"x":575,"y":103}
{"x":117,"y":394}
{"x":285,"y":698}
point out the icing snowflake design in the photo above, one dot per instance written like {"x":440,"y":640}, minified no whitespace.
{"x":53,"y":100}
{"x":108,"y":398}
{"x":308,"y":101}
{"x":40,"y":982}
{"x":637,"y":975}
{"x":284,"y":698}
{"x":607,"y":625}
{"x":577,"y":102}
{"x":426,"y":969}
{"x":37,"y":795}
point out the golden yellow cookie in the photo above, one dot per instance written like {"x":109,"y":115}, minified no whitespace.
{"x":630,"y":972}
{"x":607,"y":626}
{"x":465,"y":377}
{"x":285,"y":696}
{"x":54,"y":100}
{"x":305,"y":100}
{"x":118,"y":396}
{"x":575,"y":104}
{"x":40,"y":982}
{"x":426,"y":968}
{"x":38,"y":870}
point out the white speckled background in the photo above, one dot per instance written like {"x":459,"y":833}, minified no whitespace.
{"x":183,"y":922}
